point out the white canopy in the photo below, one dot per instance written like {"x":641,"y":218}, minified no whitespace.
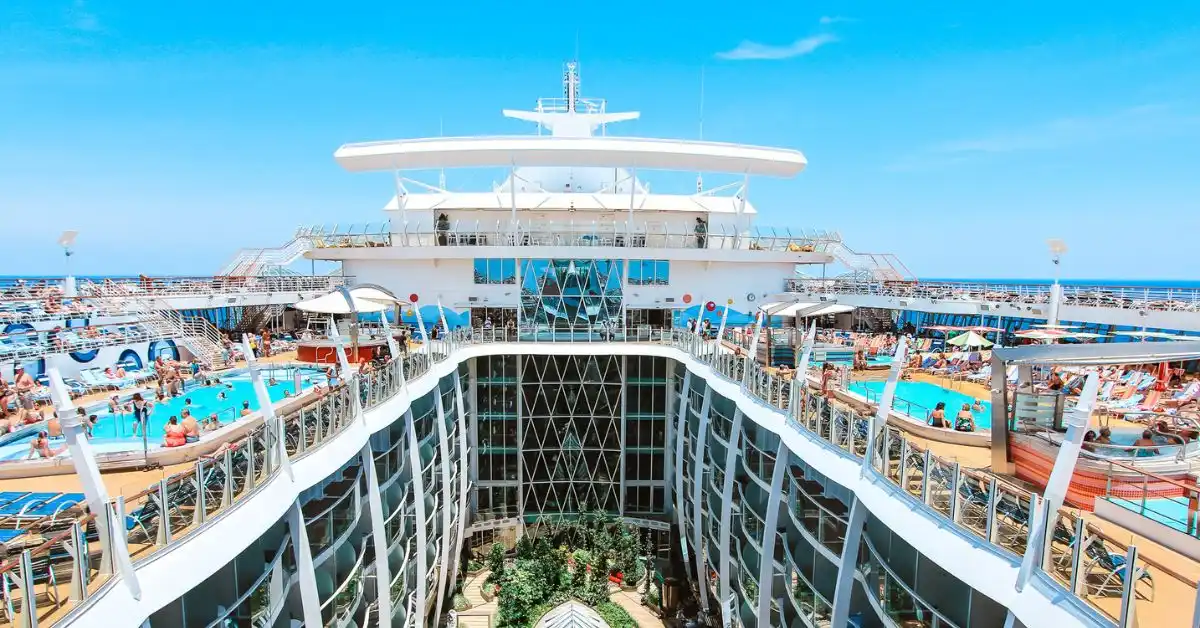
{"x":605,"y":152}
{"x":365,"y":300}
{"x":791,"y":310}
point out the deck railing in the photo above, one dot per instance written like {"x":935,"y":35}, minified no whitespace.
{"x":1080,"y":558}
{"x":25,"y":289}
{"x":1165,"y":299}
{"x":565,"y":233}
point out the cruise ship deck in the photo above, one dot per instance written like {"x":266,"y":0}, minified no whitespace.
{"x":569,"y":356}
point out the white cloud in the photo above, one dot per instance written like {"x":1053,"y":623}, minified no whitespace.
{"x":749,"y":50}
{"x":1061,"y":133}
{"x":834,"y":19}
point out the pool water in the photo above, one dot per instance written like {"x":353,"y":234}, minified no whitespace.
{"x":115,"y":432}
{"x":1169,"y":511}
{"x":917,"y":399}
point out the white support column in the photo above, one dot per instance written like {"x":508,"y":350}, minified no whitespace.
{"x":806,"y":354}
{"x":442,"y":317}
{"x":669,"y":459}
{"x":424,"y":332}
{"x":112,"y":532}
{"x":766,"y":571}
{"x":401,"y":203}
{"x":752,"y":352}
{"x":1056,"y":295}
{"x":339,"y":348}
{"x":267,"y":409}
{"x":697,"y":496}
{"x":680,"y":430}
{"x":383,"y":573}
{"x":731,"y":456}
{"x":310,"y":598}
{"x":741,"y":209}
{"x":414,"y":462}
{"x":623,"y":431}
{"x":444,"y":446}
{"x":878,"y":423}
{"x":632,"y":200}
{"x":1060,"y":478}
{"x":512,"y":197}
{"x":846,"y":566}
{"x":463,"y":471}
{"x":393,"y":346}
{"x":721,"y":327}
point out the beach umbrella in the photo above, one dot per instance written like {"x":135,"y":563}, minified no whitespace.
{"x":1043,"y":334}
{"x":969,"y":339}
{"x":1054,"y":326}
{"x":1162,"y":377}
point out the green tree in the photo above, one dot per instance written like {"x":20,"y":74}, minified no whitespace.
{"x":495,"y":563}
{"x":518,"y":595}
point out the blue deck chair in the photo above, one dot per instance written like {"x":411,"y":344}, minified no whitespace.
{"x":18,"y":506}
{"x":8,"y":535}
{"x":54,"y":506}
{"x":10,"y":496}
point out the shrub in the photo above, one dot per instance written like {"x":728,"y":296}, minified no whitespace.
{"x":615,"y":616}
{"x":460,"y":602}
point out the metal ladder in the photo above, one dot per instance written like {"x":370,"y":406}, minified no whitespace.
{"x":267,"y":261}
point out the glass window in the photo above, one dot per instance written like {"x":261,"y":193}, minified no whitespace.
{"x":649,"y":272}
{"x":495,"y":271}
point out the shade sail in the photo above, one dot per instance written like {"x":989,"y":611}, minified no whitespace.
{"x":805,"y":309}
{"x":1101,"y":353}
{"x":364,"y":300}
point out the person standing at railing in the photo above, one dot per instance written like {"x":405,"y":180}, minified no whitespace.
{"x":701,"y":232}
{"x":443,"y":228}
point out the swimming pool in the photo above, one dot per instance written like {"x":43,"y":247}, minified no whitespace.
{"x":114,"y":432}
{"x":917,"y":400}
{"x":1169,"y":511}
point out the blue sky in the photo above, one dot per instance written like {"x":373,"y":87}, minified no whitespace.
{"x":959,"y":136}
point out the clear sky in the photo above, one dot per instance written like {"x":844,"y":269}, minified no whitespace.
{"x":959,"y":135}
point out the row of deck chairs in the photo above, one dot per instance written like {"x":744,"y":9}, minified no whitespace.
{"x":1104,"y":572}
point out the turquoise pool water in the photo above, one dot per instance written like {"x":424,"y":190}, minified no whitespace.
{"x":1169,"y":511}
{"x":114,"y":433}
{"x":917,"y":399}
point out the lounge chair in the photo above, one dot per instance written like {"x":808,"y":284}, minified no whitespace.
{"x":29,"y":501}
{"x":52,"y":507}
{"x":1112,"y":571}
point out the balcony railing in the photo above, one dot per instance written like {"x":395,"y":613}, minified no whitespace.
{"x":565,"y":233}
{"x":1081,"y":560}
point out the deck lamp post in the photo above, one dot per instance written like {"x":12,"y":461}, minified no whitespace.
{"x":66,"y":241}
{"x":1057,"y":248}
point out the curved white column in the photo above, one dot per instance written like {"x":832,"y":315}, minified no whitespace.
{"x":444,"y":500}
{"x":306,"y":577}
{"x":680,"y":428}
{"x":731,"y":456}
{"x":766,"y":569}
{"x":697,"y":488}
{"x":414,"y":462}
{"x":383,"y":572}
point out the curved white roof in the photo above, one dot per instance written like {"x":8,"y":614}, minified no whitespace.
{"x":365,"y":300}
{"x":609,"y":152}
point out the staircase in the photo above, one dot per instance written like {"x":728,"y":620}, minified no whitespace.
{"x":267,"y":261}
{"x":877,"y":319}
{"x":876,"y":266}
{"x":255,"y":317}
{"x":197,"y":335}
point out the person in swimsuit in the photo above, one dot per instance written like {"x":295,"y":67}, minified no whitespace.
{"x":965,"y":421}
{"x":191,"y":429}
{"x":141,"y":413}
{"x":40,"y":446}
{"x":173,"y":433}
{"x":937,"y":418}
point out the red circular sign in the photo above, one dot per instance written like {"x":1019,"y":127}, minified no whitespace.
{"x":412,"y":297}
{"x":687,"y":298}
{"x":710,"y":306}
